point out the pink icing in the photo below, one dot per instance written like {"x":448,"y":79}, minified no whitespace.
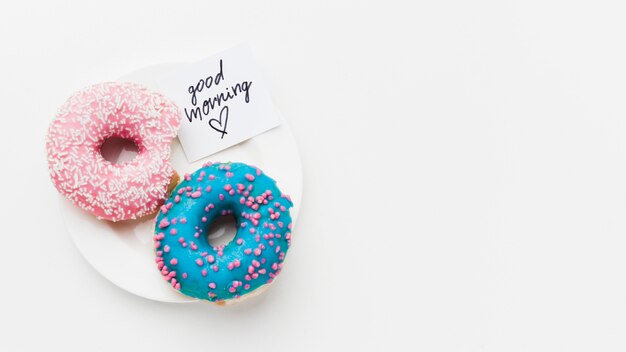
{"x":126,"y":110}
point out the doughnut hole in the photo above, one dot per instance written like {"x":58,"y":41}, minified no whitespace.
{"x":222,"y":230}
{"x":118,"y":150}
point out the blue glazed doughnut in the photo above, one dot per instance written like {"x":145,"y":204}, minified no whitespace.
{"x":251,"y":260}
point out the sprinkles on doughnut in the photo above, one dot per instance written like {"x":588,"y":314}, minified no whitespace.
{"x":79,"y":172}
{"x":227,"y":273}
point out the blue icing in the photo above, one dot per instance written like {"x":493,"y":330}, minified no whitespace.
{"x":252,"y":259}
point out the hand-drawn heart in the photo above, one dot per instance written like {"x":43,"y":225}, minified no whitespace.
{"x":221,"y":123}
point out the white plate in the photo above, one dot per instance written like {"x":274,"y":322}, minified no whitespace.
{"x":123,"y":252}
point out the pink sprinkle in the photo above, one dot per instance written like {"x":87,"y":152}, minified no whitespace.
{"x":250,"y":177}
{"x":177,"y":286}
{"x":250,"y":269}
{"x":221,"y":196}
{"x":210,"y":259}
{"x":173,"y":231}
{"x":215,"y":268}
{"x":204,"y":272}
{"x":247,"y":250}
{"x":246,"y":287}
{"x":211,"y":177}
{"x":177,"y":199}
{"x":199,"y":262}
{"x":239,"y":241}
{"x":274,"y":266}
{"x":196,"y":194}
{"x":257,"y":252}
{"x":277,"y":249}
{"x":232,"y":290}
{"x":164,"y":223}
{"x":183,"y":220}
{"x":208,"y":189}
{"x":166,"y":249}
{"x":237,"y":263}
{"x":212,"y":285}
{"x":187,"y":177}
{"x":230,"y":266}
{"x":204,"y":219}
{"x":256,"y":263}
{"x":228,"y":187}
{"x":174,"y":261}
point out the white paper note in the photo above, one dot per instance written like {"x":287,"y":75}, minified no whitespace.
{"x":223,"y":101}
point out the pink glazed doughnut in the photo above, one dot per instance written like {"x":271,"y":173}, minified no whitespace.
{"x":110,"y":191}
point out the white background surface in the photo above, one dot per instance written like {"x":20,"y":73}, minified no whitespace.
{"x":464,"y":174}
